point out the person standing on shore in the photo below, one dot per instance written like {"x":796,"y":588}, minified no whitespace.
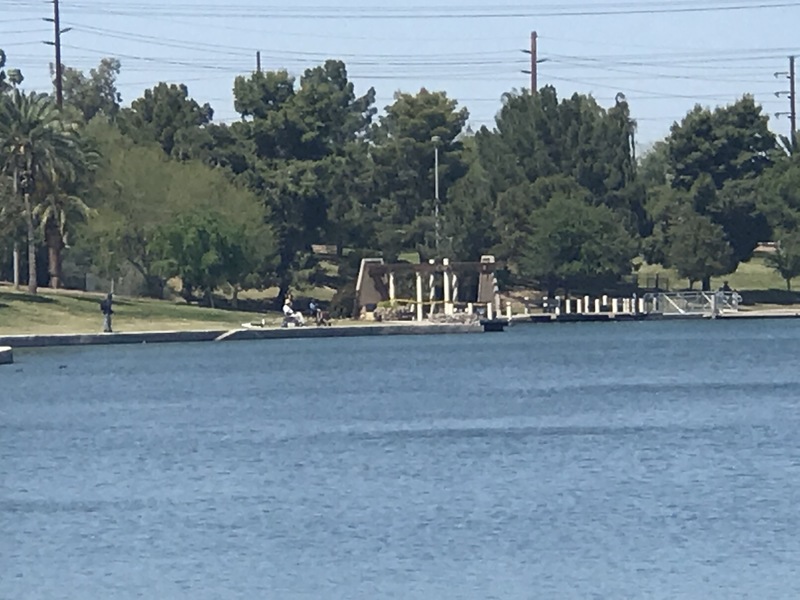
{"x":107,"y":310}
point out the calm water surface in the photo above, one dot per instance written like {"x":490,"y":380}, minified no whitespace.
{"x":642,"y":460}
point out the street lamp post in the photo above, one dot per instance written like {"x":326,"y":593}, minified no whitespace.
{"x":436,"y":139}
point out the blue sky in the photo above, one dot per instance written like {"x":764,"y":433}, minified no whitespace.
{"x":663,"y":62}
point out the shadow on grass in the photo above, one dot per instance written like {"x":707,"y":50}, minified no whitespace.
{"x":96,"y":300}
{"x":86,"y":299}
{"x":772,"y":296}
{"x":244,"y":305}
{"x":166,"y":307}
{"x":22,"y":297}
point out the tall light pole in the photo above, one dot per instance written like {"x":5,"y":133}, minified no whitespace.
{"x":436,"y":139}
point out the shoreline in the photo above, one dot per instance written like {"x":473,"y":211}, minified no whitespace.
{"x":44,"y":340}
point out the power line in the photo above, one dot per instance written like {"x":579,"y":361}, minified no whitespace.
{"x":426,"y":12}
{"x":242,"y":50}
{"x":679,"y":59}
{"x":665,"y":60}
{"x":663,"y":95}
{"x":204,"y":59}
{"x":639,"y":74}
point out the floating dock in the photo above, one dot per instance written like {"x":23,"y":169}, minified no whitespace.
{"x":744,"y":315}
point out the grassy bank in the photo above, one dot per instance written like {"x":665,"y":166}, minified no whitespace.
{"x":754,"y":275}
{"x":759,"y":284}
{"x":79,"y":312}
{"x":76,"y":312}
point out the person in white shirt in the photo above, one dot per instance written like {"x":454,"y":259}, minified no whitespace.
{"x":290,"y":315}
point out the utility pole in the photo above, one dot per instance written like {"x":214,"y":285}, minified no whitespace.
{"x":535,"y":60}
{"x":534,"y":78}
{"x":258,"y":61}
{"x":792,"y":97}
{"x":56,"y":21}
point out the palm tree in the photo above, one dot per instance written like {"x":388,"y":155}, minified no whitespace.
{"x":35,"y":142}
{"x":57,"y":211}
{"x":9,"y":78}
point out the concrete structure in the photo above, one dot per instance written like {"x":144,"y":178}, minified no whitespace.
{"x":6,"y":355}
{"x":377,"y":284}
{"x":256,"y":333}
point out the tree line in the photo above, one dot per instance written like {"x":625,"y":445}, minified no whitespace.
{"x":553,"y":188}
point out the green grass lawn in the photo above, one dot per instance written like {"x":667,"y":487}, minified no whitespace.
{"x":754,"y":275}
{"x":78,"y":312}
{"x":760,"y":286}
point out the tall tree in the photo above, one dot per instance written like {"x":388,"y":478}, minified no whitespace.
{"x":206,"y":251}
{"x":57,"y":212}
{"x":786,"y":259}
{"x":543,"y":147}
{"x":536,"y":135}
{"x":715,"y":162}
{"x":516,"y":213}
{"x":405,"y":142}
{"x":349,"y":186}
{"x":576,"y":246}
{"x":305,"y":120}
{"x":137,"y":192}
{"x":469,"y":226}
{"x":654,"y":166}
{"x":161,"y":113}
{"x":729,"y":143}
{"x":737,"y":209}
{"x":685,"y":234}
{"x":35,"y":143}
{"x":95,"y":93}
{"x":698,"y":249}
{"x":217,"y":145}
{"x":779,"y":194}
{"x":9,"y":78}
{"x":12,"y":225}
{"x":303,"y":136}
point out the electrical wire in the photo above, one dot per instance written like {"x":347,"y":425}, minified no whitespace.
{"x":204,"y":60}
{"x":426,"y":12}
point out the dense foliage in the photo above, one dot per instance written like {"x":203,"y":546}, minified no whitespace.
{"x":158,"y":191}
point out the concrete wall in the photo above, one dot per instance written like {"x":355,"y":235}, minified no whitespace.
{"x":98,"y":339}
{"x":39,"y":341}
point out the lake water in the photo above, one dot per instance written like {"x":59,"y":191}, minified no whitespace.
{"x":638,"y":460}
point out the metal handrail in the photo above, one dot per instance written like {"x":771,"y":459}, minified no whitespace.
{"x":695,"y":302}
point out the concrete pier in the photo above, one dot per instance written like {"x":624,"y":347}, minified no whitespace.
{"x":6,"y":355}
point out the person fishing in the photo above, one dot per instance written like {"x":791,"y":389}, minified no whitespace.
{"x":290,"y":315}
{"x":320,"y":316}
{"x":107,"y":310}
